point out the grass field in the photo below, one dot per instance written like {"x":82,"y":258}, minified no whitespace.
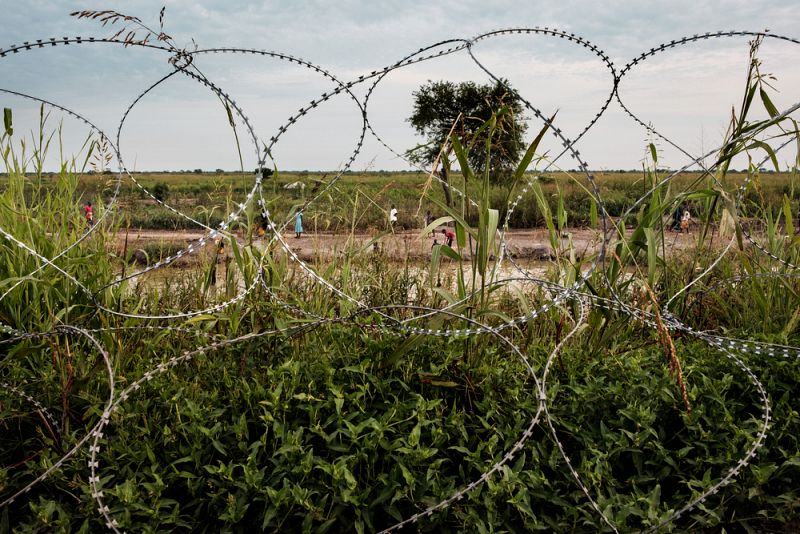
{"x":361,"y":201}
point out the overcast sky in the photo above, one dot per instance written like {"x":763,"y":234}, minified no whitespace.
{"x":686,"y":93}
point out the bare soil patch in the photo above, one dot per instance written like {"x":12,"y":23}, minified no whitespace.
{"x":532,"y":244}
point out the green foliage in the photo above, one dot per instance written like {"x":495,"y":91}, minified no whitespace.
{"x":319,"y":433}
{"x":47,"y":219}
{"x":444,"y":107}
{"x":7,"y":122}
{"x":160,"y":191}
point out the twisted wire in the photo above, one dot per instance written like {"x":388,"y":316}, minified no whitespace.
{"x":186,"y":63}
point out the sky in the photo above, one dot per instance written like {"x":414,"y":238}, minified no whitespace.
{"x":687,"y":93}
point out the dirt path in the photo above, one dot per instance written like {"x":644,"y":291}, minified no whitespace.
{"x":522,"y":243}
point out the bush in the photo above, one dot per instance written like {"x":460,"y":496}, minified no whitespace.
{"x":160,"y":191}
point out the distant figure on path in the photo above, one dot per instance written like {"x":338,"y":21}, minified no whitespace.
{"x":685,"y":219}
{"x":429,"y":220}
{"x":392,"y":216}
{"x":449,"y":236}
{"x":263,"y":225}
{"x":298,"y":224}
{"x":676,"y":219}
{"x":89,"y":213}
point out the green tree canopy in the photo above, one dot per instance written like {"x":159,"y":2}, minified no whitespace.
{"x":465,"y":107}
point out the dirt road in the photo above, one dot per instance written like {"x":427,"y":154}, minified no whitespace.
{"x":531,"y":244}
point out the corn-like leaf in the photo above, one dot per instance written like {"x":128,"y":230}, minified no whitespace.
{"x":446,"y":295}
{"x":463,"y":157}
{"x":768,"y":105}
{"x":435,"y":254}
{"x":544,"y":207}
{"x":425,"y":232}
{"x":652,"y":255}
{"x":457,"y":218}
{"x":492,"y":224}
{"x":7,"y":122}
{"x":526,"y":159}
{"x":449,"y":252}
{"x":766,"y":148}
{"x":493,"y":313}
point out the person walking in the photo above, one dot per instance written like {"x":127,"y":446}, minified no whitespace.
{"x":88,"y":212}
{"x":449,"y":236}
{"x":677,"y":215}
{"x":685,"y":220}
{"x":298,"y":224}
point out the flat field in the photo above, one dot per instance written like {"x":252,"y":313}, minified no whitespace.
{"x":361,"y":201}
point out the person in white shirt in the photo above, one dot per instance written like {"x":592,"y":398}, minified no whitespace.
{"x":687,"y":217}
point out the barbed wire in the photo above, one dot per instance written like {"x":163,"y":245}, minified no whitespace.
{"x":187,"y":63}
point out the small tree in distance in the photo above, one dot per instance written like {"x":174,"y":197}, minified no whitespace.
{"x":464,"y":108}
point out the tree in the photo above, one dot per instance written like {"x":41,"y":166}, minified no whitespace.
{"x":464,"y":108}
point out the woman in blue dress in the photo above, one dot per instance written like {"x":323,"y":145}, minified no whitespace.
{"x":298,"y":224}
